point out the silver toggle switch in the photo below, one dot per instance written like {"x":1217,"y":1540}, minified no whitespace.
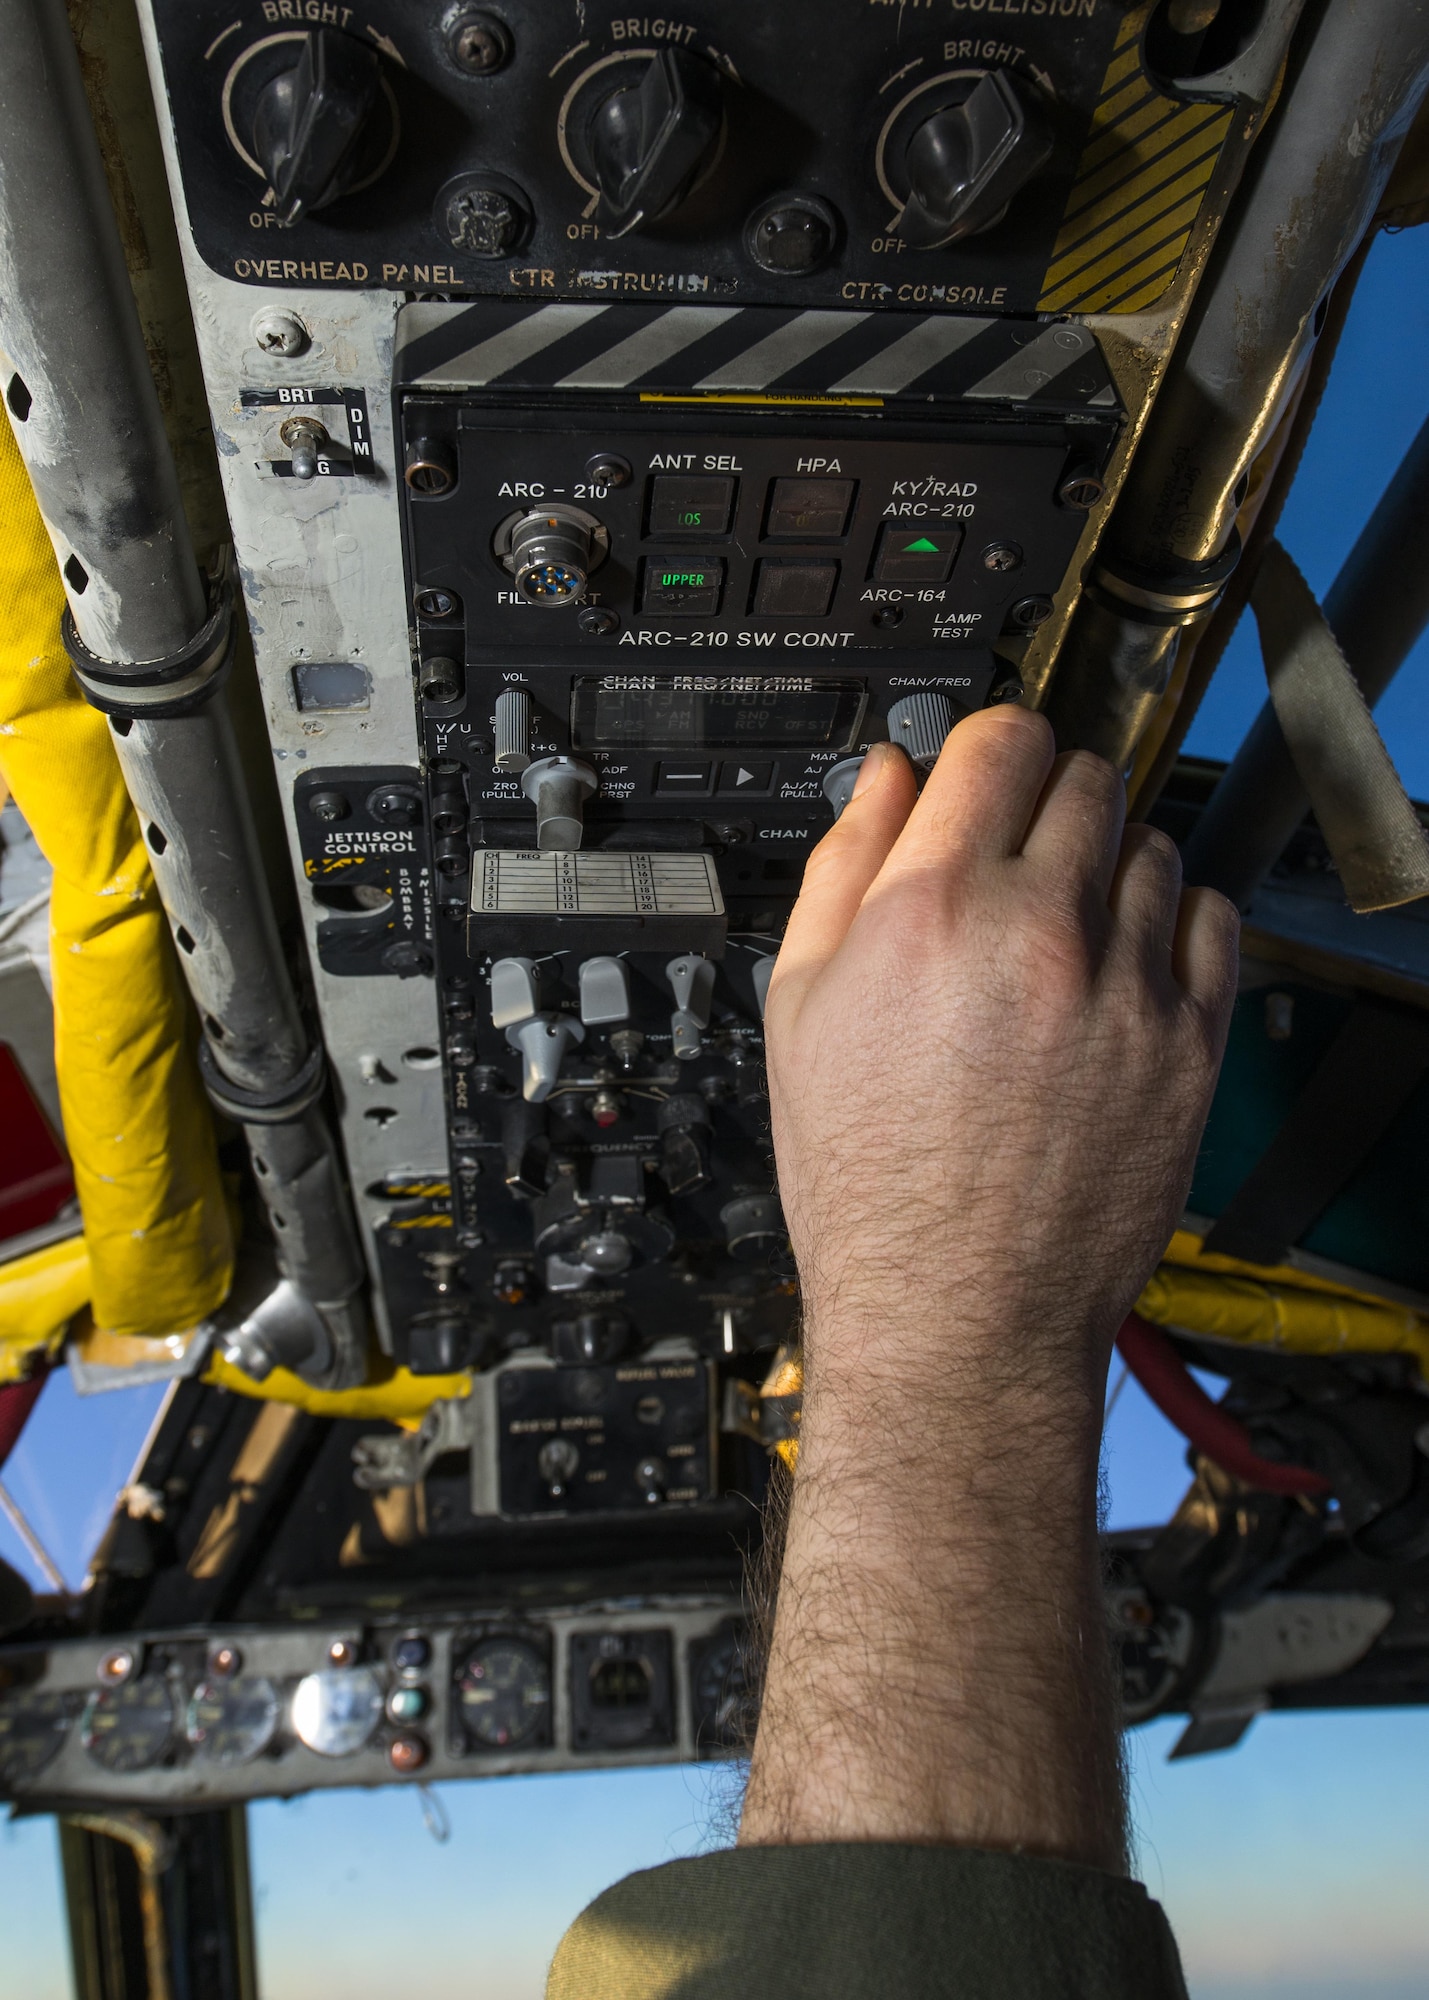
{"x":762,"y":972}
{"x":692,"y":982}
{"x":543,"y":1042}
{"x":515,"y":992}
{"x":605,"y":992}
{"x":558,"y":787}
{"x":513,"y":730}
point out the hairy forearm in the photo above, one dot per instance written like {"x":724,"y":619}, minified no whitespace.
{"x":939,"y":1663}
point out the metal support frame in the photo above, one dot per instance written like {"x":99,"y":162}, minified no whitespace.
{"x":151,"y":640}
{"x":1356,"y":76}
{"x":1377,"y":607}
{"x":159,"y":1909}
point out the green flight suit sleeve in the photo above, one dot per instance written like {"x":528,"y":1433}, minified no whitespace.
{"x":869,"y":1922}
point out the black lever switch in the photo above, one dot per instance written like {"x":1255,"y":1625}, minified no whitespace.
{"x":965,"y":163}
{"x":649,"y":142}
{"x":311,"y":122}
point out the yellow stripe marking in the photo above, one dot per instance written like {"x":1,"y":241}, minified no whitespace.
{"x":1140,"y":182}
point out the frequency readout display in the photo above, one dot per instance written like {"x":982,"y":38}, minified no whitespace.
{"x":713,"y":711}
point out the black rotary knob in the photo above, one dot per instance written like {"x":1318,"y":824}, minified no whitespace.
{"x":323,"y":125}
{"x":964,"y":164}
{"x":650,"y":142}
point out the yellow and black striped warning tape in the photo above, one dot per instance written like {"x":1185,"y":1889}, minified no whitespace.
{"x":1146,"y":167}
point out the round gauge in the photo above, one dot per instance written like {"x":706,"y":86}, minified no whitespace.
{"x":32,"y":1728}
{"x":504,"y":1692}
{"x":336,"y":1709}
{"x":1156,"y":1650}
{"x":231,"y":1722}
{"x":129,"y":1728}
{"x":722,"y":1697}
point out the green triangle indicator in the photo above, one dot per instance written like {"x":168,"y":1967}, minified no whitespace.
{"x":922,"y":547}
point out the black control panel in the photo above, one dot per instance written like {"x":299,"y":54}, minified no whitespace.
{"x":957,"y":156}
{"x":670,"y":574}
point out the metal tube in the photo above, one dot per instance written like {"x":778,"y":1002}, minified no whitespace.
{"x":1377,"y":607}
{"x":151,"y":645}
{"x":1355,"y":79}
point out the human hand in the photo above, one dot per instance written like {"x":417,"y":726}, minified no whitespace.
{"x":993,"y":1032}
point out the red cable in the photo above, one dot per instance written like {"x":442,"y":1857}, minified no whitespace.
{"x":17,"y":1399}
{"x":1213,"y":1431}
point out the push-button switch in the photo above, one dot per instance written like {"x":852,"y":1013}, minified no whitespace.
{"x":679,"y":589}
{"x":794,"y":589}
{"x":810,"y":510}
{"x":907,"y":552}
{"x":681,"y":506}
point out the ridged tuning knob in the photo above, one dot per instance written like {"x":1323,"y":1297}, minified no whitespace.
{"x":513,"y":730}
{"x":920,"y":723}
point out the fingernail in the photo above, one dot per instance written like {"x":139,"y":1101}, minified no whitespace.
{"x":874,"y":765}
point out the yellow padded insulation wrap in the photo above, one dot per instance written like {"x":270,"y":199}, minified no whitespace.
{"x":136,"y":1121}
{"x":1277,"y":1306}
{"x":39,"y":1296}
{"x":391,"y":1392}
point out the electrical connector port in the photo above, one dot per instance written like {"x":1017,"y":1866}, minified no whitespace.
{"x":551,"y":552}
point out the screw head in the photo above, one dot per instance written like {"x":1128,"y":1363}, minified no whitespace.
{"x":597,"y":621}
{"x":608,"y":468}
{"x":1001,"y":556}
{"x":277,"y":332}
{"x":1030,"y":612}
{"x":435,"y":603}
{"x":1007,"y":691}
{"x":407,"y":958}
{"x":888,"y":615}
{"x":224,"y":1662}
{"x":479,"y":44}
{"x":328,"y":805}
{"x":792,"y":235}
{"x":1081,"y":489}
{"x":484,"y":221}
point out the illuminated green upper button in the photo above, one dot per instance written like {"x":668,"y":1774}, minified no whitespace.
{"x":681,"y":587}
{"x":910,"y":552}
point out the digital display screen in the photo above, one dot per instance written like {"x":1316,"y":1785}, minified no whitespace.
{"x":714,"y":712}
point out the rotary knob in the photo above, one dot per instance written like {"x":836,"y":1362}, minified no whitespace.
{"x":317,"y":126}
{"x":513,"y":730}
{"x":558,"y":787}
{"x":964,"y":164}
{"x":920,"y":723}
{"x":649,"y":143}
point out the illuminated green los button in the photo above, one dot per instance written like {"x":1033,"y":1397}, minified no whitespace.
{"x":690,"y":505}
{"x":910,"y":552}
{"x":681,"y":590}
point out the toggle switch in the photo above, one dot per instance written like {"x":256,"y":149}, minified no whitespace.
{"x":558,"y":787}
{"x":307,"y":442}
{"x":692,"y":981}
{"x":515,"y":992}
{"x":761,"y":973}
{"x":605,"y":992}
{"x":839,"y":781}
{"x":543,"y":1042}
{"x":513,"y":730}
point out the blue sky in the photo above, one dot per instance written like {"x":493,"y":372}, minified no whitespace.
{"x":1295,"y":1867}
